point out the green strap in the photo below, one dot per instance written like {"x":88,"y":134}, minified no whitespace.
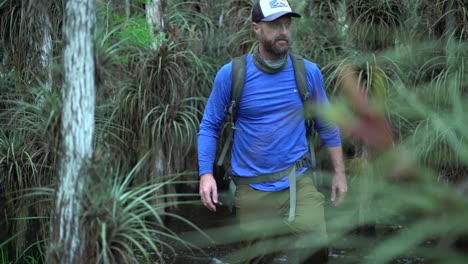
{"x":268,"y":177}
{"x":302,"y":85}
{"x":225,"y":148}
{"x":237,"y":79}
{"x":290,"y":172}
{"x":237,"y":83}
{"x":292,"y":194}
{"x":301,"y":79}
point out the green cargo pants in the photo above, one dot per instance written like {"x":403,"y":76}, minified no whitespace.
{"x":263,"y":220}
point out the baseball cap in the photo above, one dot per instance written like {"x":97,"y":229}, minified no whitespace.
{"x":269,"y":10}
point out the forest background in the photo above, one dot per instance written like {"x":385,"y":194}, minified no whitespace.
{"x":153,"y":65}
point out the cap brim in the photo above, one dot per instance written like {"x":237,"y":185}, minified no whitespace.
{"x":280,"y":14}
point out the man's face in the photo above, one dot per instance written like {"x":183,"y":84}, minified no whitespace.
{"x":275,"y":36}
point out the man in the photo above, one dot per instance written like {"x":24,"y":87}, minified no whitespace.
{"x":269,"y":137}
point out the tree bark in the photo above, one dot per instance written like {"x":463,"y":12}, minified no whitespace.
{"x":154,"y":15}
{"x":77,"y":133}
{"x":42,"y":47}
{"x":127,"y":9}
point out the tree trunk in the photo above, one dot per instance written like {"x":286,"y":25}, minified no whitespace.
{"x":27,"y":38}
{"x":42,"y":47}
{"x":77,"y":133}
{"x":127,"y":9}
{"x":154,"y":15}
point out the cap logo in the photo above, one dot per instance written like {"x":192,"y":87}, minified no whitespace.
{"x":278,"y":3}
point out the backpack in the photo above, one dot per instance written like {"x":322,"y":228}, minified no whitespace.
{"x":237,"y":84}
{"x":226,"y":185}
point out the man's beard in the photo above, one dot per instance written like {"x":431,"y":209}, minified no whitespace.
{"x":270,"y":47}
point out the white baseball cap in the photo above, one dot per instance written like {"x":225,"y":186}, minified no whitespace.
{"x":269,"y":10}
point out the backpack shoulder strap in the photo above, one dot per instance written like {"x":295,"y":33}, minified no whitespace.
{"x":303,"y":86}
{"x":301,"y":82}
{"x":237,"y":84}
{"x":300,"y":74}
{"x":237,"y":79}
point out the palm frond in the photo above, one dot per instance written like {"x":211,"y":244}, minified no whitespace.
{"x":125,"y":223}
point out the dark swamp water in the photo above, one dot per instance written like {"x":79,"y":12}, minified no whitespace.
{"x":213,"y":253}
{"x":344,"y":251}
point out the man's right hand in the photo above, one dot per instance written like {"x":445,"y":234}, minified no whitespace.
{"x":208,"y":191}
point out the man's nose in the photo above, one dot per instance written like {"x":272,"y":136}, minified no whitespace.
{"x":284,"y":28}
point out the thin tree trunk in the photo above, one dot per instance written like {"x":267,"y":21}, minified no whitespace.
{"x":154,"y":15}
{"x":127,"y":9}
{"x":43,"y":47}
{"x":36,"y":42}
{"x":77,"y":132}
{"x":450,"y":20}
{"x":158,"y":171}
{"x":45,"y":52}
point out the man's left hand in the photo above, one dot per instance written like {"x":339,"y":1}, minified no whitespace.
{"x":339,"y":189}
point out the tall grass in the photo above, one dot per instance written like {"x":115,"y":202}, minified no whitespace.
{"x":124,"y":225}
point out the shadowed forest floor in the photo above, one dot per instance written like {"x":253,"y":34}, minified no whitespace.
{"x":205,"y":219}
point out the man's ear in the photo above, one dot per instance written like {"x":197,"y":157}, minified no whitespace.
{"x":255,"y":26}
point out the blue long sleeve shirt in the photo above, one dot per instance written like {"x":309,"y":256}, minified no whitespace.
{"x":270,"y":134}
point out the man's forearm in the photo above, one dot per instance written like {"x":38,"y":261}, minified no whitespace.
{"x":206,"y":154}
{"x":339,"y":185}
{"x":336,"y":155}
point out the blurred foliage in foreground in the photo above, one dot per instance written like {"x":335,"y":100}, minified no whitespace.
{"x":409,"y":198}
